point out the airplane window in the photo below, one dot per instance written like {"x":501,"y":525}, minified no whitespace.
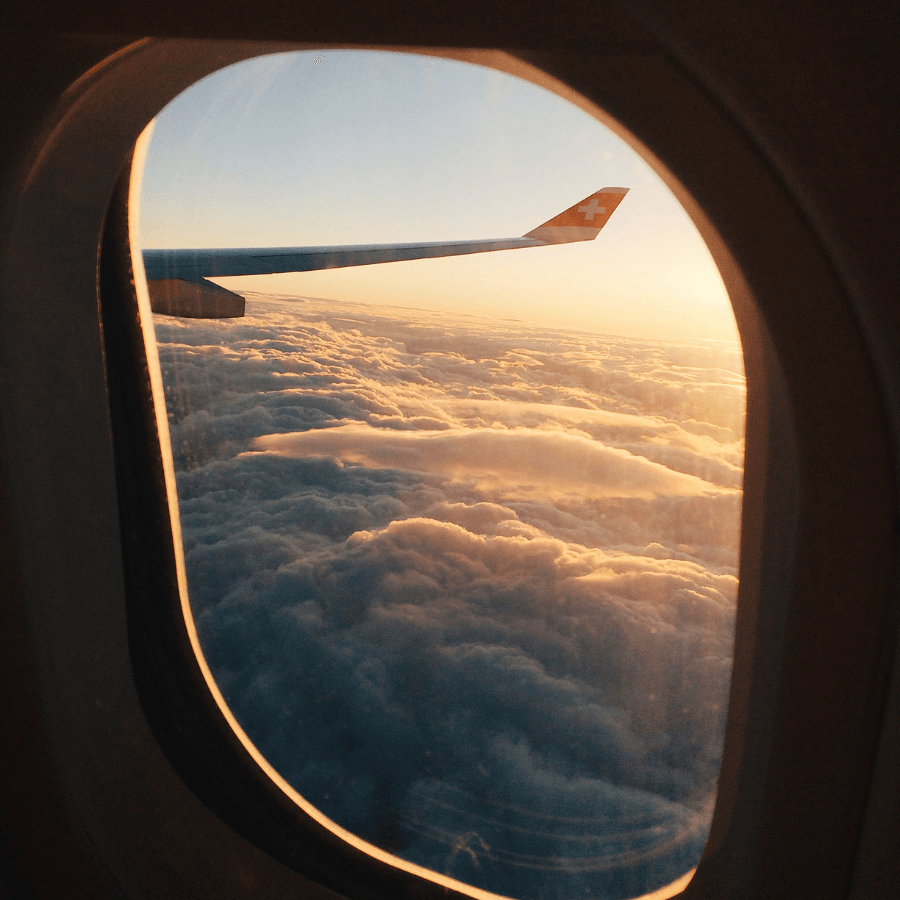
{"x":461,"y":533}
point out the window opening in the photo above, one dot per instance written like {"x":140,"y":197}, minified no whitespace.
{"x":460,"y":535}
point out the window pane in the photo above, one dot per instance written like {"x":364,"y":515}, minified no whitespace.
{"x":460,"y":535}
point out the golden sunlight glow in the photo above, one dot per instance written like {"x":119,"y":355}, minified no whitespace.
{"x":546,"y":419}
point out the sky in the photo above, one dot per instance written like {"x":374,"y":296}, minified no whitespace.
{"x":461,"y":535}
{"x":468,"y":587}
{"x":342,"y":147}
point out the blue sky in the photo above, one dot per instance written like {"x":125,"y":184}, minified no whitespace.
{"x":332,"y":147}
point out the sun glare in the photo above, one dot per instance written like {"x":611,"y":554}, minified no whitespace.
{"x":460,"y":536}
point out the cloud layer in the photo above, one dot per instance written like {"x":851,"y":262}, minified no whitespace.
{"x":519,"y":460}
{"x":468,"y":586}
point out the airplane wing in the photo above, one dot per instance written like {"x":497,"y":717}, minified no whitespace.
{"x":177,"y":278}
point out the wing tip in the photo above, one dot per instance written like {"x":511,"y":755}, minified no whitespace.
{"x":581,"y":222}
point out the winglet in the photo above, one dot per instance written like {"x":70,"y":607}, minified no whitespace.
{"x":581,"y":222}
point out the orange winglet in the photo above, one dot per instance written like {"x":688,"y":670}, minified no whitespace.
{"x":583,"y":221}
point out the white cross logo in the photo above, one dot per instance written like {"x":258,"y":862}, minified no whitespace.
{"x":589,"y":210}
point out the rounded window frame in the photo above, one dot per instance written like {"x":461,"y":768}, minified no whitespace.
{"x":786,"y":419}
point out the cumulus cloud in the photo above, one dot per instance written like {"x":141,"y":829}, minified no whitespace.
{"x":470,"y":588}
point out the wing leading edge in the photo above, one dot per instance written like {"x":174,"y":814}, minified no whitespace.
{"x":177,"y":278}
